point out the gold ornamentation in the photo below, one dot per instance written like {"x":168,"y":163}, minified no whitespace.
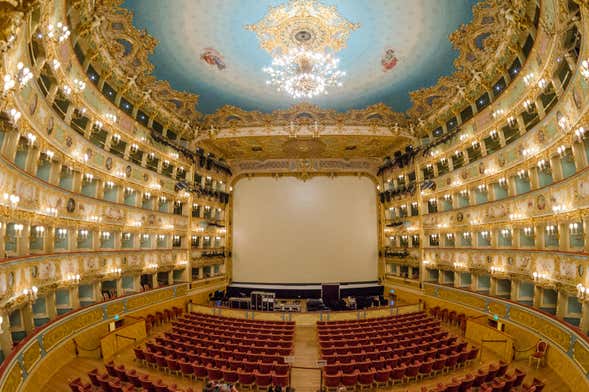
{"x":13,"y":379}
{"x":31,"y":355}
{"x":70,"y":327}
{"x":541,"y":326}
{"x":581,"y":355}
{"x":303,"y":23}
{"x":497,"y":308}
{"x":114,"y":309}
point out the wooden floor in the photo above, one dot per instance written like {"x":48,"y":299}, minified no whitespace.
{"x":305,"y":375}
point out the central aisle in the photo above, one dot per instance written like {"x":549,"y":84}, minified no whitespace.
{"x":306,"y":355}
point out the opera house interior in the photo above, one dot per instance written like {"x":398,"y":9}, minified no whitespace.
{"x":294,"y":195}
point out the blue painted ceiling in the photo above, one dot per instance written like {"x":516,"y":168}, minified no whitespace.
{"x":416,"y":30}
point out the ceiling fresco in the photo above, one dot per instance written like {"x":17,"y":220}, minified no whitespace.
{"x":204,"y":48}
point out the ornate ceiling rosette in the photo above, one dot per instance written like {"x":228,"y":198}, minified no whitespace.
{"x":303,"y":23}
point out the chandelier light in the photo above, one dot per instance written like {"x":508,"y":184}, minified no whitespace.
{"x":304,"y":74}
{"x":303,"y":36}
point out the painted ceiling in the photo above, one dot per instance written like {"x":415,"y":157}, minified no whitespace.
{"x":204,"y":48}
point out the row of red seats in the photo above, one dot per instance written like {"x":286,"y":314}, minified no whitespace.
{"x":425,"y":343}
{"x":400,"y":338}
{"x":170,"y":346}
{"x":158,"y":318}
{"x":243,"y":373}
{"x":212,"y":334}
{"x":375,"y":320}
{"x":374,"y":325}
{"x":493,"y":379}
{"x":451,"y":317}
{"x":158,"y":358}
{"x":376,"y":356}
{"x":370,"y":332}
{"x":218,"y":348}
{"x":390,"y":321}
{"x":119,"y":379}
{"x":232,"y":329}
{"x":389,"y":375}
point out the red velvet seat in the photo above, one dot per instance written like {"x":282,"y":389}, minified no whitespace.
{"x":381,"y":377}
{"x":332,"y":381}
{"x":398,"y":374}
{"x":280,"y":379}
{"x":349,"y":380}
{"x":246,"y":379}
{"x":229,"y":375}
{"x":214,"y":374}
{"x":412,"y":371}
{"x":366,"y":379}
{"x":263,"y":380}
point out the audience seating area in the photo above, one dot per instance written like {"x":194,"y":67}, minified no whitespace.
{"x":383,"y":351}
{"x":213,"y":348}
{"x":449,"y":317}
{"x":119,"y":379}
{"x":158,"y":318}
{"x":493,"y":378}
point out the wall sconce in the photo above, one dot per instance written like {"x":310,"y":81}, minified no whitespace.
{"x":493,"y":134}
{"x":147,"y":195}
{"x":466,"y":235}
{"x":176,"y":237}
{"x":112,"y":118}
{"x":502,"y":182}
{"x":505,"y":233}
{"x":58,"y":33}
{"x":39,"y":232}
{"x":449,"y":236}
{"x":561,"y":150}
{"x":551,"y":230}
{"x":163,"y":199}
{"x":116,"y":138}
{"x":88,"y":177}
{"x":134,"y":147}
{"x":522,"y":173}
{"x":31,"y":293}
{"x":529,"y":105}
{"x":528,"y":78}
{"x":432,"y":201}
{"x":114,"y":271}
{"x":464,"y":193}
{"x":61,"y":233}
{"x":443,"y":161}
{"x":575,"y":228}
{"x":475,"y":144}
{"x":581,"y":291}
{"x":528,"y":231}
{"x":482,"y":188}
{"x":126,"y":236}
{"x":82,"y":234}
{"x":559,"y":208}
{"x":11,"y":200}
{"x":485,"y":234}
{"x":152,"y":266}
{"x":151,"y":156}
{"x":511,"y":121}
{"x":542,"y":83}
{"x":18,"y":228}
{"x":539,"y":276}
{"x":458,"y":153}
{"x":109,"y":184}
{"x":498,"y":113}
{"x":459,"y":265}
{"x":447,"y":197}
{"x":105,"y":235}
{"x":145,"y":237}
{"x":15,"y":115}
{"x":496,"y":269}
{"x":72,"y":278}
{"x":162,"y":237}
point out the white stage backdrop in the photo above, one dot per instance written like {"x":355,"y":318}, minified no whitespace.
{"x":290,"y":231}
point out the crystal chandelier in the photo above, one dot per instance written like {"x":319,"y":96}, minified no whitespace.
{"x":303,"y":36}
{"x":303,"y":73}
